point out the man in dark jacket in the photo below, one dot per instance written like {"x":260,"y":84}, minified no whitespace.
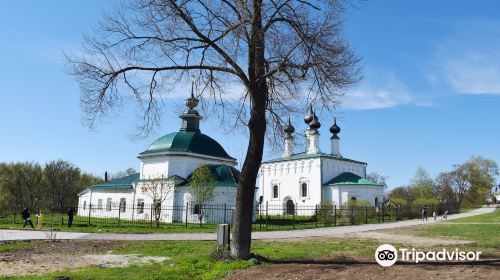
{"x":27,"y":218}
{"x":71,"y":214}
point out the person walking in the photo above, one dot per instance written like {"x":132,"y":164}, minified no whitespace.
{"x":27,"y":218}
{"x":71,"y":215}
{"x":434,"y":215}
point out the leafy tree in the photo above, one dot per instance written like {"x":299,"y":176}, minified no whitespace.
{"x":276,"y":52}
{"x":480,"y":173}
{"x":62,"y":181}
{"x":422,"y":188}
{"x":377,"y":178}
{"x":202,"y":187}
{"x":23,"y":183}
{"x":401,"y":195}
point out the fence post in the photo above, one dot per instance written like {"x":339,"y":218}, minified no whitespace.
{"x":224,"y":213}
{"x":151,"y":216}
{"x":293,"y":219}
{"x":316,"y":212}
{"x":260,"y":215}
{"x":90,"y":208}
{"x":119,"y":214}
{"x":383,"y":213}
{"x":335,"y":215}
{"x":187,"y":210}
{"x":366,"y":214}
{"x":267,"y":212}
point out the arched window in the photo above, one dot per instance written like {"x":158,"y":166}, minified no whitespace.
{"x":197,"y":209}
{"x":275,"y":191}
{"x":290,"y":207}
{"x":353,"y":199}
{"x":303,"y":189}
{"x":376,"y":201}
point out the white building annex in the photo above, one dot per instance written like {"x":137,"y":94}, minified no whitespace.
{"x":174,"y":157}
{"x":310,"y":177}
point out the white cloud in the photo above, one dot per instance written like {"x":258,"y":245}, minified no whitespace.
{"x":367,"y":96}
{"x":469,"y":59}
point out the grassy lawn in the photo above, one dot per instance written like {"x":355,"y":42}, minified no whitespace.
{"x":190,"y":260}
{"x":486,"y":236}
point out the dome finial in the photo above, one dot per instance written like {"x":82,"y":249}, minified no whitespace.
{"x":192,"y":102}
{"x":289,"y":129}
{"x":309,"y":115}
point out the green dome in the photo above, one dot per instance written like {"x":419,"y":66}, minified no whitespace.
{"x":189,"y":142}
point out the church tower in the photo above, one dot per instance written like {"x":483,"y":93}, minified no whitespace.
{"x":335,"y":140}
{"x":312,"y":133}
{"x":289,"y":143}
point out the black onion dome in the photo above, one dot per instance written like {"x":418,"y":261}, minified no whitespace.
{"x":289,"y":129}
{"x":335,"y":129}
{"x":314,"y":124}
{"x":310,"y":115}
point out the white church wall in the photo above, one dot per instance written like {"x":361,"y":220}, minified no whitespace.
{"x":334,"y":167}
{"x":289,"y":176}
{"x":360,"y":192}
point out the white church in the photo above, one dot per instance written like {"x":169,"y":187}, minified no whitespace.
{"x":309,"y":177}
{"x":173,"y":158}
{"x":291,"y":181}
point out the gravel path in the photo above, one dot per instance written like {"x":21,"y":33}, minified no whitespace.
{"x":8,"y":235}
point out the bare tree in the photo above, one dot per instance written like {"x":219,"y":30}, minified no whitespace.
{"x":159,"y":189}
{"x":280,"y":53}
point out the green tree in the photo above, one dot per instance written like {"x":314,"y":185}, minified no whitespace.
{"x":422,"y":188}
{"x":202,"y":187}
{"x":62,"y":180}
{"x":480,"y":174}
{"x":23,"y":183}
{"x":277,"y":52}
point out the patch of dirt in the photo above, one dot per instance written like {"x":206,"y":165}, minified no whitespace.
{"x":44,"y":257}
{"x":367,"y":269}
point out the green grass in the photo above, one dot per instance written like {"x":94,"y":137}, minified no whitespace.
{"x":190,"y":259}
{"x":485,"y":236}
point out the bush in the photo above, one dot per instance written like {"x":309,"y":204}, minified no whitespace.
{"x":325,"y":213}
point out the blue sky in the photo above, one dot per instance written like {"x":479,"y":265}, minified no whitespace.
{"x":430,"y":94}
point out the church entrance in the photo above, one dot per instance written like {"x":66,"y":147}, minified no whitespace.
{"x":290,"y":207}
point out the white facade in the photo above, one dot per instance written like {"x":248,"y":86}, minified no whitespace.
{"x":310,"y":177}
{"x":173,"y":158}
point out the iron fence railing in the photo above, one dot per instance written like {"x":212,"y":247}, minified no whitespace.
{"x":266,"y":216}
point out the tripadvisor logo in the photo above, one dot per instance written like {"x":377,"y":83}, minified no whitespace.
{"x":386,"y":255}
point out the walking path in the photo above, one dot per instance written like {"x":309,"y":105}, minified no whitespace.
{"x":8,"y":235}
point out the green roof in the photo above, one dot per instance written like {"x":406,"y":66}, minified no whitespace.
{"x":120,"y":183}
{"x":225,"y":176}
{"x":348,"y":178}
{"x":306,"y":156}
{"x":189,"y":142}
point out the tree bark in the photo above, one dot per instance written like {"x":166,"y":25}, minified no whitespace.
{"x":242,"y":229}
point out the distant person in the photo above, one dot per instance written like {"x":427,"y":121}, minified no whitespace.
{"x":425,"y":212}
{"x":445,"y":215}
{"x":434,"y":215}
{"x":71,"y":215}
{"x":27,"y":218}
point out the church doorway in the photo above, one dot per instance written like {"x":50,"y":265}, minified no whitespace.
{"x":290,"y":207}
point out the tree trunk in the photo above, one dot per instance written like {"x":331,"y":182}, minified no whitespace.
{"x":242,"y":220}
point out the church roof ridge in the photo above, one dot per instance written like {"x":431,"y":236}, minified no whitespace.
{"x":348,"y":178}
{"x":305,"y":155}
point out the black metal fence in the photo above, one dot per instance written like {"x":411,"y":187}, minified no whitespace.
{"x":266,"y":216}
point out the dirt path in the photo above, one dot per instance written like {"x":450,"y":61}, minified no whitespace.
{"x":44,"y":258}
{"x":367,"y":269}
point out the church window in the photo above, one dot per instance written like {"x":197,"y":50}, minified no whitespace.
{"x":275,"y":191}
{"x":84,"y":205}
{"x":303,"y":189}
{"x":197,"y":209}
{"x":109,"y":203}
{"x":123,"y":204}
{"x":140,"y":206}
{"x":376,"y":201}
{"x":353,"y":199}
{"x":99,"y":204}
